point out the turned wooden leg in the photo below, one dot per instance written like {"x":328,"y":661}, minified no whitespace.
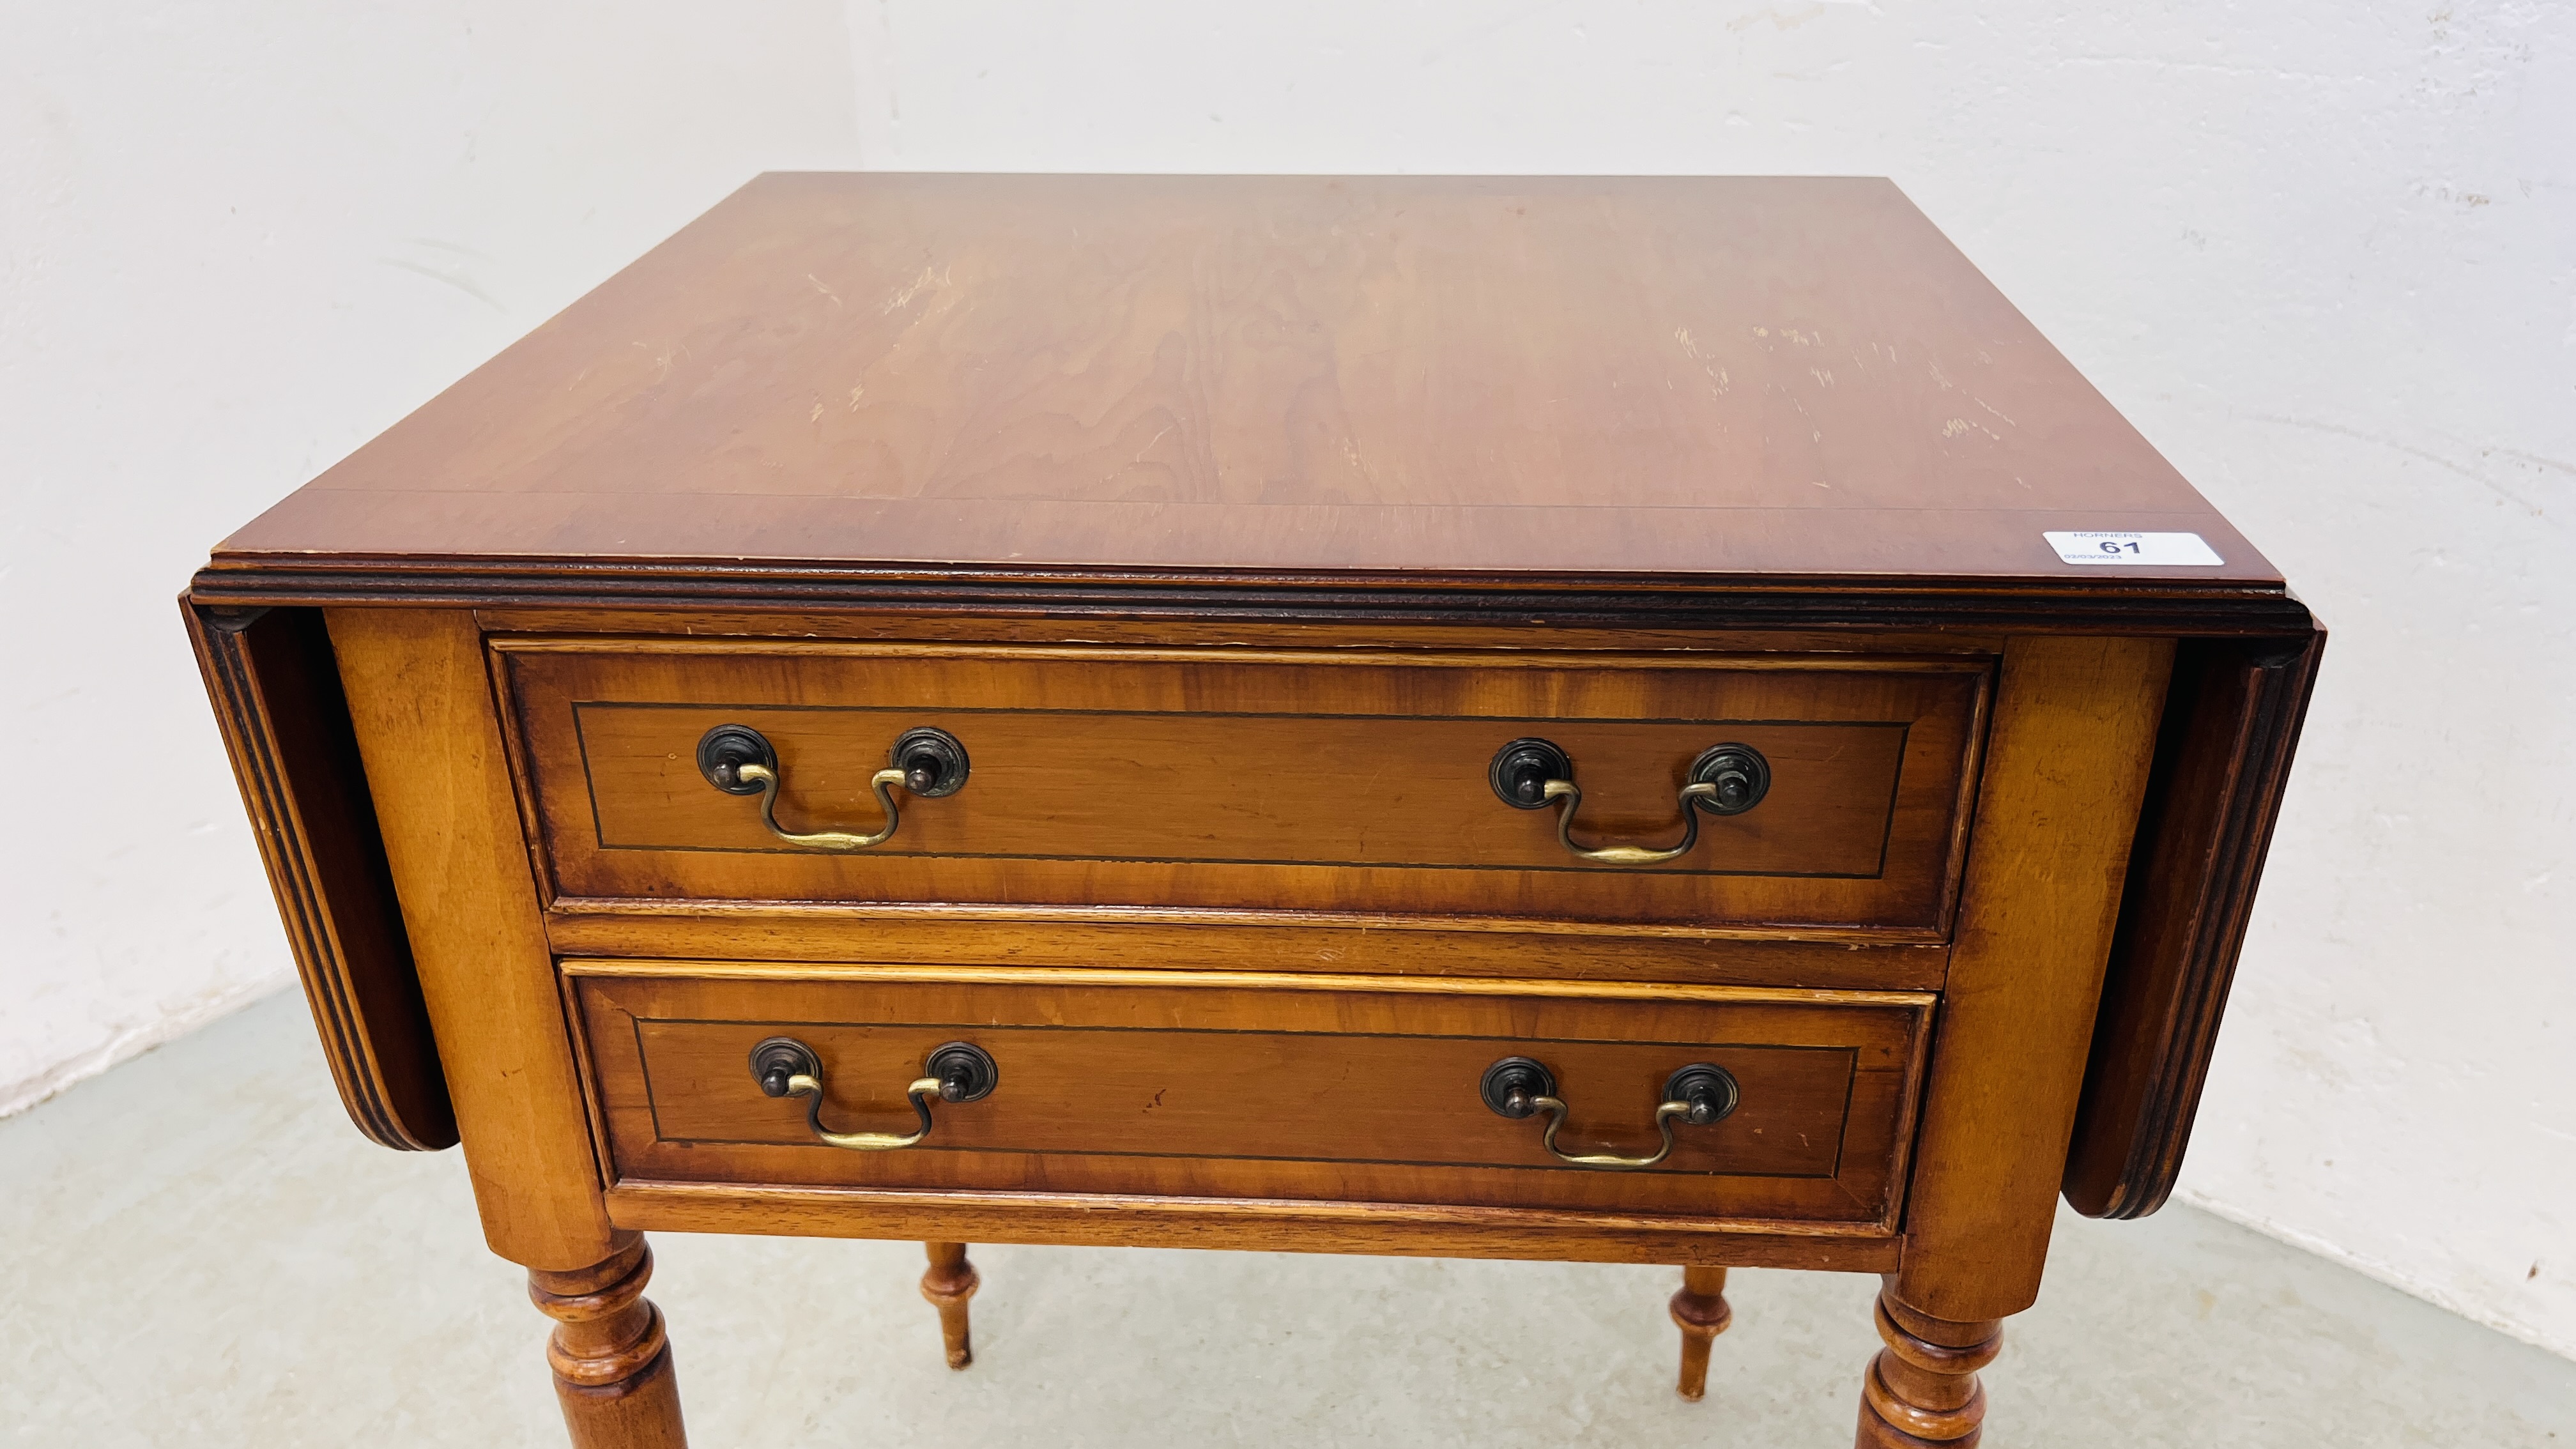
{"x":1700,"y":1312}
{"x":949,"y":1283}
{"x":611,"y":1359}
{"x":1922,"y":1389}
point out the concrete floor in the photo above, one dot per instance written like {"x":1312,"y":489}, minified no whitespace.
{"x":200,"y":1251}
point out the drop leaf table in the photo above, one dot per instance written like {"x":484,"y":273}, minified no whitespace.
{"x":1631,"y":720}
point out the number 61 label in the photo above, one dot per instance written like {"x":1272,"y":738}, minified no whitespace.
{"x":2132,"y":548}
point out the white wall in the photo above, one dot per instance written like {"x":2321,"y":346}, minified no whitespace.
{"x":235,"y":242}
{"x":2325,"y":256}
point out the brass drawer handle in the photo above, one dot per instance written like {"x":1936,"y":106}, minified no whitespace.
{"x":957,"y":1072}
{"x":1698,"y":1094}
{"x":739,"y":760}
{"x":1725,"y":780}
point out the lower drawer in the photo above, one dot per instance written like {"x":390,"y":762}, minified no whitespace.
{"x":1231,"y":1085}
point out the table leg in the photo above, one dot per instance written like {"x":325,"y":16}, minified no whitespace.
{"x":1700,"y":1312}
{"x":949,"y":1283}
{"x":611,"y":1359}
{"x":1922,"y":1389}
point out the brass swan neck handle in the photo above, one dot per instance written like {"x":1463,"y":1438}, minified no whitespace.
{"x":1555,"y":1111}
{"x":1572,"y":795}
{"x":739,"y":760}
{"x":1696,"y":1096}
{"x":955,"y":1072}
{"x":1726,"y":779}
{"x":883,"y":782}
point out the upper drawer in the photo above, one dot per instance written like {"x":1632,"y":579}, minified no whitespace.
{"x":1242,"y":780}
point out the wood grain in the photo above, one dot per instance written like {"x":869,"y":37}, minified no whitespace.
{"x":1305,"y":942}
{"x":1245,"y":631}
{"x":2074,"y":731}
{"x":1922,"y":1387}
{"x":1253,"y":1225}
{"x":1226,"y":779}
{"x":1712,"y":992}
{"x":421,"y":703}
{"x":1560,"y":376}
{"x":276,"y":693}
{"x":610,"y":1354}
{"x":1658,"y":605}
{"x":1198,"y":1086}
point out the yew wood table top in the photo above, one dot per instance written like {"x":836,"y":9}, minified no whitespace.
{"x":1552,"y":382}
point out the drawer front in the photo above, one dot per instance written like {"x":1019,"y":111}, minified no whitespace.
{"x":1222,"y":1085}
{"x":1233,"y":780}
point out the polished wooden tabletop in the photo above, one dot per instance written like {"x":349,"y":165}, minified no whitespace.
{"x":1586,"y":378}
